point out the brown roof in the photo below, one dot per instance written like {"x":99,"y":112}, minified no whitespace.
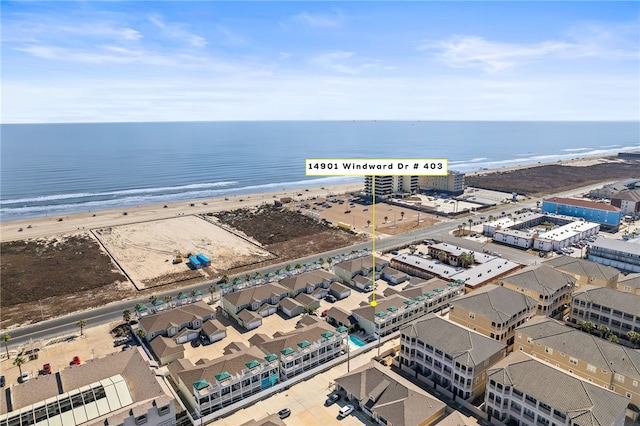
{"x":164,"y":346}
{"x":249,"y":295}
{"x":583,"y":203}
{"x":633,"y":195}
{"x":212,"y":326}
{"x":175,"y":316}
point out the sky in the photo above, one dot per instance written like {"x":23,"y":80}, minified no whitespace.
{"x":94,"y":61}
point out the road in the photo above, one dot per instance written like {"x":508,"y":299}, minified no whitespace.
{"x":441,"y":232}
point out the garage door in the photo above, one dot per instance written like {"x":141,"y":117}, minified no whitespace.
{"x":187,"y":337}
{"x":269,"y":311}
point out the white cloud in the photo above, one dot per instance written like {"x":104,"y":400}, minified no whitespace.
{"x":318,"y":20}
{"x":341,"y":62}
{"x":178,"y":32}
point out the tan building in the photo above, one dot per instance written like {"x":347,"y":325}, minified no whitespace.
{"x":585,"y":272}
{"x":550,"y":288}
{"x":630,"y":285}
{"x":493,"y":311}
{"x":596,"y":360}
{"x":363,"y":266}
{"x":442,"y":352}
{"x":388,"y":398}
{"x":452,"y":183}
{"x":525,"y":391}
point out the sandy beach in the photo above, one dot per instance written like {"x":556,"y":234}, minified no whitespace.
{"x":82,"y":222}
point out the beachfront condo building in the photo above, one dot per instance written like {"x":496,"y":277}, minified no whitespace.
{"x":493,"y":311}
{"x":452,"y":183}
{"x":522,"y":390}
{"x":587,"y":356}
{"x":444,"y":354}
{"x":585,"y":272}
{"x":390,"y":186}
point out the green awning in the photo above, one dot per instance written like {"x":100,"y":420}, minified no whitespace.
{"x":197,"y":293}
{"x":437,"y":290}
{"x":409,"y":302}
{"x":428,"y":294}
{"x":380,"y":314}
{"x":157,"y":303}
{"x":327,"y":335}
{"x":419,"y":298}
{"x":182,"y":296}
{"x":225,"y":286}
{"x":252,"y":364}
{"x":222,"y":376}
{"x":286,"y":351}
{"x":271,"y":357}
{"x":342,"y":329}
{"x":392,"y":309}
{"x":304,"y":344}
{"x":201,"y":384}
{"x":141,"y":308}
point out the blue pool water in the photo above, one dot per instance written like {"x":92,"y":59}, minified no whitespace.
{"x":356,"y":341}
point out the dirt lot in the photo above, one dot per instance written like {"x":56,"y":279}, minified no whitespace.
{"x":553,"y":178}
{"x":48,"y":278}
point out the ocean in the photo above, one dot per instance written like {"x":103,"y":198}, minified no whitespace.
{"x":53,"y":169}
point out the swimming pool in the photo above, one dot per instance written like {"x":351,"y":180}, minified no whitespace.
{"x":356,"y":341}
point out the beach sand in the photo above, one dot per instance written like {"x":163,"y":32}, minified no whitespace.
{"x":82,"y":222}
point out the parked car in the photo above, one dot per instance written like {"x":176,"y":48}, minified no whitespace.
{"x":345,"y":411}
{"x":324,"y":313}
{"x":334,"y":397}
{"x":24,"y":377}
{"x":3,"y":381}
{"x":75,"y":360}
{"x":368,"y":287}
{"x":331,"y":299}
{"x":46,"y":368}
{"x":284,"y":413}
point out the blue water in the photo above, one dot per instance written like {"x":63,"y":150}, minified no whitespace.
{"x":50,"y":169}
{"x":356,"y":341}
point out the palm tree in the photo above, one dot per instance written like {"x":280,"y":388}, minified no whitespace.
{"x":401,"y":215}
{"x":5,"y":339}
{"x":237,"y":281}
{"x":309,"y":310}
{"x":321,"y":260}
{"x":386,"y":218}
{"x":247,"y":277}
{"x":587,"y":326}
{"x":288,"y":267}
{"x":225,"y":279}
{"x":140,"y":332}
{"x":18,"y":363}
{"x":330,"y":261}
{"x":194,"y":292}
{"x":180,"y":295}
{"x":298,"y":266}
{"x":442,"y":255}
{"x":634,"y":337}
{"x":126,"y":315}
{"x":368,"y":223}
{"x":491,"y":218}
{"x":153,"y":299}
{"x":459,"y":230}
{"x":167,"y":299}
{"x":604,"y":330}
{"x":470,"y":223}
{"x":613,"y":338}
{"x":82,"y":324}
{"x":212,"y":289}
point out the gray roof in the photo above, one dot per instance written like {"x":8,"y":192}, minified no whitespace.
{"x":542,"y":280}
{"x":256,"y":293}
{"x":312,"y":278}
{"x":582,"y":267}
{"x":248,"y":316}
{"x":392,"y":397}
{"x":132,"y":364}
{"x":176,"y":316}
{"x":213,"y":326}
{"x":311,"y":333}
{"x":496,"y":303}
{"x":634,"y":281}
{"x":632,"y":195}
{"x":165,"y":346}
{"x":622,"y":301}
{"x":289,"y":303}
{"x":616,"y":245}
{"x":360,"y":263}
{"x":457,"y":419}
{"x":591,"y":349}
{"x":582,"y":402}
{"x":465,"y":346}
{"x":338,"y":288}
{"x":369,"y":312}
{"x":340,"y":315}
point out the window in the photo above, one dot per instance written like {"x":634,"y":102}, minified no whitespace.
{"x":472,"y":315}
{"x":618,"y":377}
{"x":573,"y":360}
{"x":591,"y":368}
{"x":548,"y":350}
{"x":635,"y":383}
{"x":164,"y":410}
{"x":141,"y":420}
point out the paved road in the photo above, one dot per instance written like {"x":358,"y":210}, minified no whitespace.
{"x":441,"y":231}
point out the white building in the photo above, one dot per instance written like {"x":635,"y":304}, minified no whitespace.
{"x":388,"y":186}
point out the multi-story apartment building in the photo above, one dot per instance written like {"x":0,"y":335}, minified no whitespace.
{"x":592,"y":358}
{"x":263,"y":298}
{"x":451,"y":356}
{"x":187,"y":319}
{"x":627,"y":201}
{"x":585,"y":272}
{"x":550,"y":288}
{"x":388,"y":398}
{"x":615,"y":309}
{"x":452,"y":183}
{"x":493,"y":311}
{"x":607,"y":215}
{"x":622,"y":255}
{"x":314,"y":342}
{"x":213,"y":384}
{"x":396,"y":310}
{"x":363,"y":266}
{"x":308,"y":282}
{"x":389,"y":186}
{"x":524,"y":391}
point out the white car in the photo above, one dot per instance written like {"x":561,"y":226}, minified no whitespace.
{"x":24,"y":377}
{"x":345,"y":411}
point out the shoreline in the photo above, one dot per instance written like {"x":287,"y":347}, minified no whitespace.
{"x":49,"y":226}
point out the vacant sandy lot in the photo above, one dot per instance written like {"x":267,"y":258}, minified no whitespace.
{"x":145,"y":251}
